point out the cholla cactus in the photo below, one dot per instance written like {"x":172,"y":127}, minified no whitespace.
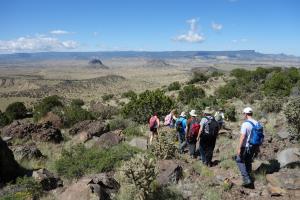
{"x":163,"y":147}
{"x":141,"y":172}
{"x":292,"y":114}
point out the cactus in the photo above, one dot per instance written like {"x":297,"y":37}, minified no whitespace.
{"x":163,"y":147}
{"x":292,"y":114}
{"x":141,"y":172}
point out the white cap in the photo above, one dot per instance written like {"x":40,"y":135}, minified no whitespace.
{"x":248,"y":110}
{"x":183,"y":114}
{"x":193,"y":113}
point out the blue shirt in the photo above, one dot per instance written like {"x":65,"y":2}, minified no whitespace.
{"x":183,"y":122}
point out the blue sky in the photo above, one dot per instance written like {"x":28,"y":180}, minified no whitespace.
{"x":268,"y":26}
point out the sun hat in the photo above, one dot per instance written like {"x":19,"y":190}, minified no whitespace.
{"x":182,"y":114}
{"x":248,"y":110}
{"x":193,"y":113}
{"x":207,"y":110}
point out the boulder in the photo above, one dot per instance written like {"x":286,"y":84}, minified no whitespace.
{"x":139,"y":142}
{"x":27,"y":151}
{"x":109,"y":139}
{"x":9,"y":168}
{"x":47,"y":179}
{"x":283,"y":133}
{"x":38,"y":132}
{"x":284,"y":181}
{"x":170,"y":171}
{"x":93,"y":128}
{"x":55,"y":120}
{"x":288,"y":157}
{"x":100,"y":186}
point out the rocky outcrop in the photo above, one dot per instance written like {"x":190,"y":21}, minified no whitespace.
{"x":109,"y":139}
{"x":55,"y":120}
{"x":97,"y":64}
{"x":92,"y":128}
{"x":9,"y":168}
{"x":139,"y":142}
{"x":27,"y":151}
{"x":37,"y":132}
{"x":100,"y":186}
{"x":170,"y":171}
{"x":290,"y":156}
{"x":47,"y":179}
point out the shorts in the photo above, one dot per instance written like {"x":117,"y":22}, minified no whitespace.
{"x":153,"y":130}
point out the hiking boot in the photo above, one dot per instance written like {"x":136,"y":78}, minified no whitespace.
{"x":248,"y":184}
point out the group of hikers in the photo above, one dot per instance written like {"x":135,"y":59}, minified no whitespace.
{"x":204,"y":131}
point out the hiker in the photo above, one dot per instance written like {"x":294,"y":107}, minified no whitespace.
{"x":191,"y":133}
{"x":208,"y":133}
{"x":219,"y":116}
{"x":153,"y":125}
{"x":250,"y":140}
{"x":180,"y":125}
{"x":170,"y":119}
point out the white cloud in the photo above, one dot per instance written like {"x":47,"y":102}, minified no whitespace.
{"x":192,"y":35}
{"x":60,"y":32}
{"x":36,"y":43}
{"x":216,"y":27}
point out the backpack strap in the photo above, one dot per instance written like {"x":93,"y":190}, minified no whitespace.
{"x":248,"y":139}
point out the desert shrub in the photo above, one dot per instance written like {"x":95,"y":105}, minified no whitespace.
{"x":74,"y":113}
{"x":272,"y":105}
{"x":140,"y":172}
{"x":202,"y":169}
{"x":107,"y":112}
{"x":190,"y":92}
{"x":120,"y":123}
{"x":201,"y":104}
{"x":216,"y":74}
{"x":25,"y":188}
{"x":129,"y":94}
{"x":133,"y":130}
{"x":277,"y":85}
{"x":107,"y":97}
{"x":198,"y":77}
{"x":174,"y":86}
{"x":229,"y":90}
{"x":292,"y":114}
{"x":230,"y":113}
{"x":16,"y":110}
{"x":77,"y":102}
{"x":80,"y":160}
{"x":163,"y":147}
{"x":4,"y":120}
{"x":45,"y":106}
{"x":148,"y":102}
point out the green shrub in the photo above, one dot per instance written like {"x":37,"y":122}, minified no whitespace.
{"x":45,"y":106}
{"x":198,"y":77}
{"x":229,"y":90}
{"x":27,"y":188}
{"x":120,"y":123}
{"x":174,"y":86}
{"x":80,"y":161}
{"x":216,"y":74}
{"x":190,"y":92}
{"x":74,"y":113}
{"x":277,"y":85}
{"x":107,"y":97}
{"x":272,"y":104}
{"x":3,"y":119}
{"x":77,"y":102}
{"x":129,"y":94}
{"x":201,"y":104}
{"x":163,"y":147}
{"x":148,"y":102}
{"x":292,"y":114}
{"x":230,"y":113}
{"x":107,"y":112}
{"x":133,"y":130}
{"x":16,"y":110}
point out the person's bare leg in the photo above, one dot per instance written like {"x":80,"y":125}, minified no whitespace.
{"x":151,"y":138}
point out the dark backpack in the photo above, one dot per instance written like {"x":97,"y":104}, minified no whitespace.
{"x":152,"y":122}
{"x":179,"y":126}
{"x":210,"y":128}
{"x":257,"y":134}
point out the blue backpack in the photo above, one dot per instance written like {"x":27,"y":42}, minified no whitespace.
{"x":257,"y":134}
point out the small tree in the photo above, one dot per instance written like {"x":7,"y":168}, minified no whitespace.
{"x":16,"y":110}
{"x":3,"y":119}
{"x":292,"y":114}
{"x":174,"y":86}
{"x":45,"y":106}
{"x":190,"y":92}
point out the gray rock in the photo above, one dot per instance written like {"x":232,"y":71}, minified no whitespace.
{"x":47,"y":179}
{"x":169,"y":172}
{"x":283,"y":133}
{"x":139,"y":142}
{"x":109,"y":139}
{"x":27,"y":151}
{"x":92,"y":128}
{"x":289,"y":156}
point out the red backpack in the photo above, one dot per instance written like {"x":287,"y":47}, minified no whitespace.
{"x":152,"y":122}
{"x":194,"y":128}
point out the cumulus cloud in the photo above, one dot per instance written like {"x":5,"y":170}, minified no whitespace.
{"x":36,"y":43}
{"x":192,"y":35}
{"x":216,"y":27}
{"x":60,"y":32}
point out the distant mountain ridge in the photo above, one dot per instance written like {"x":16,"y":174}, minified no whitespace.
{"x":238,"y":55}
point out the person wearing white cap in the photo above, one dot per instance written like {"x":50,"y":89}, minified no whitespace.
{"x":180,"y":125}
{"x":191,"y":134}
{"x":244,"y":157}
